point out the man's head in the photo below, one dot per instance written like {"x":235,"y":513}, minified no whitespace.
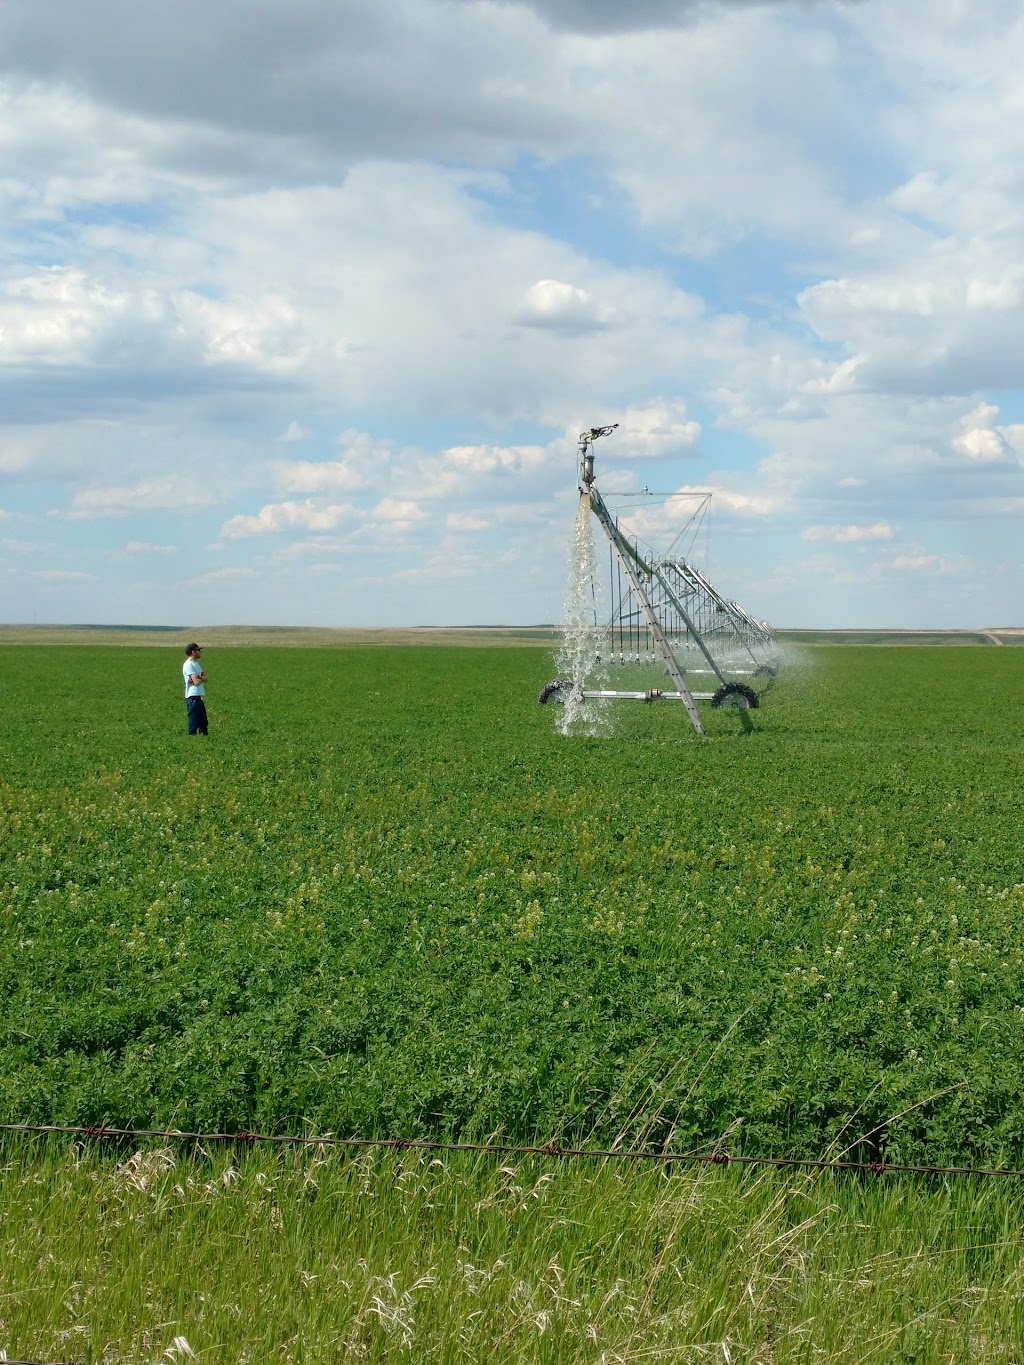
{"x":193,"y":651}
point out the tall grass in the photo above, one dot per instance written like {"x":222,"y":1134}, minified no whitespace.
{"x":315,"y":1256}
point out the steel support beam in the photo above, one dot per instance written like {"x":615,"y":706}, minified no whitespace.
{"x":629,"y":561}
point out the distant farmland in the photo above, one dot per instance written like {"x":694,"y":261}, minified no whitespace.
{"x":543,"y":636}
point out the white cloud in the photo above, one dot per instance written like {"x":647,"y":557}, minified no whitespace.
{"x":265,"y":333}
{"x":232,"y":573}
{"x":142,"y":547}
{"x":286,"y":516}
{"x":560,"y":307}
{"x":54,"y":314}
{"x":163,"y":494}
{"x":981,"y":444}
{"x":925,"y":562}
{"x":361,"y":462}
{"x":301,"y":551}
{"x":686,"y":512}
{"x":738,"y":503}
{"x":293,"y":432}
{"x":339,"y":82}
{"x":397,"y":514}
{"x":708,"y":158}
{"x":845,"y":535}
{"x":654,"y":431}
{"x":464,"y":521}
{"x":792,"y":253}
{"x":842,"y":379}
{"x":980,"y":440}
{"x":319,"y":476}
{"x":945,"y":317}
{"x":439,"y":567}
{"x":486,"y":459}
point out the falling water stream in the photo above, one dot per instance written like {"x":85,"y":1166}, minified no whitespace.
{"x":579,"y":654}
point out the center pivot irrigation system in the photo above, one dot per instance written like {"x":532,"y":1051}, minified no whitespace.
{"x":664,"y":615}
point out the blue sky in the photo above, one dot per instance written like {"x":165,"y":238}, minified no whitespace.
{"x":303,"y":306}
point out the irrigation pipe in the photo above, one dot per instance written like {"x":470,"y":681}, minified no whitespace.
{"x":551,"y":1149}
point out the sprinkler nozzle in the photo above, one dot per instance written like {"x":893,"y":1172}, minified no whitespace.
{"x":587,"y":438}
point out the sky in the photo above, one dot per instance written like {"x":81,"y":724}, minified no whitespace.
{"x":304,"y":303}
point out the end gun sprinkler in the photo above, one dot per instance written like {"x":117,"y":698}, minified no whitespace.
{"x":587,"y":438}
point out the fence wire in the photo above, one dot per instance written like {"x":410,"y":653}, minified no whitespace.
{"x":553,"y":1150}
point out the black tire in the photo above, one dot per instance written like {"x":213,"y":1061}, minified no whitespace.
{"x":555,"y":691}
{"x":767,"y":674}
{"x":738,"y":695}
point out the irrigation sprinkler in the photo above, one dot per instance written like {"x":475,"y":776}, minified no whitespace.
{"x":663,"y":618}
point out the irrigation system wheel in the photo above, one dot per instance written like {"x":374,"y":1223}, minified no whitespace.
{"x":766,"y":675}
{"x":738,"y":695}
{"x":556,"y":691}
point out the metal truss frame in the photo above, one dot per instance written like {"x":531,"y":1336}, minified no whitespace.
{"x":665,"y":607}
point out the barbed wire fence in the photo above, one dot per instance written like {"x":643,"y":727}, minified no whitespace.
{"x":552,"y":1150}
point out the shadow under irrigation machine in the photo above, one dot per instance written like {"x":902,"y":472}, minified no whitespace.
{"x":664,"y":614}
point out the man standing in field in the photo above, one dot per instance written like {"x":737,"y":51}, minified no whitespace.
{"x":195,"y":690}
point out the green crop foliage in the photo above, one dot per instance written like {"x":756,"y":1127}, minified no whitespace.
{"x":385,"y":898}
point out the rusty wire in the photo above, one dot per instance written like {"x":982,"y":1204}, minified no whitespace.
{"x":551,"y":1149}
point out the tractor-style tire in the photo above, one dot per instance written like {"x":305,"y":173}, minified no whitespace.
{"x":555,"y":691}
{"x":766,"y":675}
{"x":738,"y":695}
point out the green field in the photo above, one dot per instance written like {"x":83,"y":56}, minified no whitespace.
{"x":385,"y":898}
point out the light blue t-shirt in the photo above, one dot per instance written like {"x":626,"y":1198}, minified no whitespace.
{"x":193,"y":689}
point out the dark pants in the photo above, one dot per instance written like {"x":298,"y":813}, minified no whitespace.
{"x":197,"y":724}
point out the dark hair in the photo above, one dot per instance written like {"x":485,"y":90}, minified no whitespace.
{"x":191,"y":649}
